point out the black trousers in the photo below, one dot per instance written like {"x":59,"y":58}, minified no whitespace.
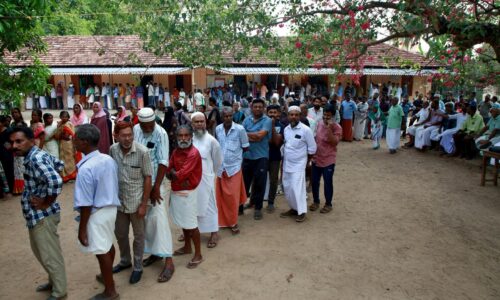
{"x":255,"y":176}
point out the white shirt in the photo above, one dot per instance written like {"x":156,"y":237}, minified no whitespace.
{"x":299,"y":142}
{"x":199,"y":99}
{"x":97,"y":182}
{"x":315,"y":115}
{"x":53,"y":93}
{"x":460,"y":117}
{"x":211,"y":157}
{"x":96,"y":91}
{"x":422,"y":114}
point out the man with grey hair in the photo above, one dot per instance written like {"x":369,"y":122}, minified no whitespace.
{"x":211,"y":157}
{"x":185,"y":173}
{"x":96,"y":198}
{"x":158,"y":239}
{"x":230,"y":188}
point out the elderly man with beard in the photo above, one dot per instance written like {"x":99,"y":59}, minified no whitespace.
{"x":297,"y":151}
{"x":185,"y":173}
{"x":211,"y":157}
{"x":158,"y":239}
{"x":134,"y":188}
{"x":230,"y":188}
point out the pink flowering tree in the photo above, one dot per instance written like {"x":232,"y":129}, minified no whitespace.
{"x":326,"y":33}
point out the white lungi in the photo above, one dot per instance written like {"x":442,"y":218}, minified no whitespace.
{"x":412,"y":130}
{"x":436,"y":135}
{"x":392,"y":136}
{"x":184,"y":209}
{"x":359,"y":129}
{"x":29,"y":103}
{"x":43,"y":102}
{"x":208,"y":216}
{"x":294,"y":187}
{"x":70,"y":100}
{"x":158,"y":238}
{"x":423,"y":136}
{"x":100,"y":231}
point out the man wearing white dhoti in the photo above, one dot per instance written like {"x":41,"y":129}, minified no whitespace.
{"x":423,"y":133}
{"x":209,"y":149}
{"x":360,"y":115}
{"x":447,"y":142}
{"x":158,"y":239}
{"x":394,"y":120}
{"x":417,"y":120}
{"x":298,"y":148}
{"x":96,"y":198}
{"x":185,"y":173}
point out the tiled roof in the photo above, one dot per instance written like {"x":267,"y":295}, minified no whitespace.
{"x":127,"y":50}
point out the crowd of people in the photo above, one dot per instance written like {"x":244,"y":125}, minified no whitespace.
{"x":219,"y":158}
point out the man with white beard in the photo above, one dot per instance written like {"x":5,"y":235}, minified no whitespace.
{"x":209,"y":148}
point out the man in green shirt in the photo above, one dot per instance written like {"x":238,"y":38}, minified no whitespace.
{"x":490,"y":134}
{"x":464,"y":138}
{"x":393,"y":133}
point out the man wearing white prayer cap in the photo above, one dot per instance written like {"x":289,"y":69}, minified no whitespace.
{"x":209,"y":148}
{"x":298,"y":149}
{"x":158,"y":239}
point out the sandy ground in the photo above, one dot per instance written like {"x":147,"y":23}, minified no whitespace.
{"x":404,"y":226}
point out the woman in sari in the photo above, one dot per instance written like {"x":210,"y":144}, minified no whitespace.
{"x":100,"y":120}
{"x":64,"y":134}
{"x":51,"y":146}
{"x":38,"y":128}
{"x":79,"y":116}
{"x":17,"y":121}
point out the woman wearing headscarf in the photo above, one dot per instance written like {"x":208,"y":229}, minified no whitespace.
{"x":100,"y":120}
{"x":18,"y":121}
{"x":377,"y":121}
{"x":121,"y":115}
{"x":79,"y":116}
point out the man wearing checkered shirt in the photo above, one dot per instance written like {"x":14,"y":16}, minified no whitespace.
{"x":42,"y":185}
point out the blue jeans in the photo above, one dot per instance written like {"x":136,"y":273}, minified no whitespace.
{"x":327,"y":173}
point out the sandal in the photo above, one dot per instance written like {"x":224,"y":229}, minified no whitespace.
{"x":194,"y":264}
{"x":326,"y":209}
{"x":181,"y":238}
{"x":165,"y":275}
{"x":150,"y":260}
{"x":235,"y":229}
{"x":212,"y":243}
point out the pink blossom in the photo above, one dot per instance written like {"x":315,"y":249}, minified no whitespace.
{"x":365,"y":25}
{"x":298,"y":44}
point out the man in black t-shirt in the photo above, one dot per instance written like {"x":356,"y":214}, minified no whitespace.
{"x":274,"y":112}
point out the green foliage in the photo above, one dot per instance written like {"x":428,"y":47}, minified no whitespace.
{"x":19,"y":33}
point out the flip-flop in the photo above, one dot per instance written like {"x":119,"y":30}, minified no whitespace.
{"x":102,"y":296}
{"x":181,"y":238}
{"x":194,"y":264}
{"x":212,"y":243}
{"x":44,"y":287}
{"x":165,"y":275}
{"x":180,"y":252}
{"x":235,"y":230}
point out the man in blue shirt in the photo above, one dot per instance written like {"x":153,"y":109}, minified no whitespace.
{"x":348,"y":107}
{"x":96,"y":198}
{"x":256,"y":160}
{"x":274,"y":112}
{"x":42,"y":185}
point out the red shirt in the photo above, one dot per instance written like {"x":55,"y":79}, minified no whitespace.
{"x":187,"y":166}
{"x":326,"y":154}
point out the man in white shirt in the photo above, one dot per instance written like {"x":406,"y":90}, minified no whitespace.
{"x":96,"y":198}
{"x":298,"y":149}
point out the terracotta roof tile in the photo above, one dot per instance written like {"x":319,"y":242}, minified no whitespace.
{"x":127,"y":50}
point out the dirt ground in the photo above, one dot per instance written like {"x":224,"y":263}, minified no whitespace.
{"x":404,"y":226}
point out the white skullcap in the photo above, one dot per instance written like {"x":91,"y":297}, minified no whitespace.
{"x":197,"y":114}
{"x":294,"y":108}
{"x":146,"y":114}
